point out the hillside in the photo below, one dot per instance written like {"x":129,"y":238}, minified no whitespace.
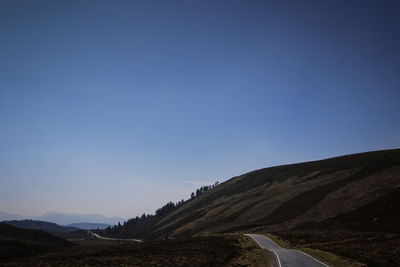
{"x":17,"y":242}
{"x":42,"y":226}
{"x":358,"y":192}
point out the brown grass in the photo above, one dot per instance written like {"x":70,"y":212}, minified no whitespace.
{"x":203,"y":250}
{"x":251,"y":254}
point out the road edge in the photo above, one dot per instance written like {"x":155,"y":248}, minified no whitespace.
{"x":276,"y":254}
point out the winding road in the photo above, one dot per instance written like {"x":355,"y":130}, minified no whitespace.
{"x":287,"y":257}
{"x":113,"y":239}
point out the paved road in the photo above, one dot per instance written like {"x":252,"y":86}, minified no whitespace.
{"x":287,"y":257}
{"x":114,"y":239}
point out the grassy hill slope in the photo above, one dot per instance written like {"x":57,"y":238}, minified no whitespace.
{"x":286,"y":197}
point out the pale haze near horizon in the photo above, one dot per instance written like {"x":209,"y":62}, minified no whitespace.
{"x":119,"y":107}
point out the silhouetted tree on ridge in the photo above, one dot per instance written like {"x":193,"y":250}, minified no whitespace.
{"x":167,"y":208}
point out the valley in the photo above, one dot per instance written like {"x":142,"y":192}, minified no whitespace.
{"x":342,"y":211}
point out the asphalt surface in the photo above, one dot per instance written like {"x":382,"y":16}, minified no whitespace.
{"x":114,"y":239}
{"x":286,"y":257}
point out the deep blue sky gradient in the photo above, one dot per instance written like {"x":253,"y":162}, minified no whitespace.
{"x":117,"y":107}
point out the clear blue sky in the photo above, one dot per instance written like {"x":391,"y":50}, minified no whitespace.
{"x":117,"y":107}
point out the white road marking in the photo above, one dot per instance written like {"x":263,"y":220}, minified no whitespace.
{"x":276,"y":254}
{"x":279,"y":261}
{"x":249,"y":235}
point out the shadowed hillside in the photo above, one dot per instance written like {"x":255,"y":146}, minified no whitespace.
{"x":17,"y":242}
{"x":285,"y":197}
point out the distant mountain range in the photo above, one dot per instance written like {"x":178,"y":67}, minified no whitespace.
{"x":55,"y":228}
{"x":65,"y":218}
{"x":4,"y":216}
{"x":43,"y":226}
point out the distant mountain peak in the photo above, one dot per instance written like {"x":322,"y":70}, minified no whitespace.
{"x":71,"y":218}
{"x":64,"y":218}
